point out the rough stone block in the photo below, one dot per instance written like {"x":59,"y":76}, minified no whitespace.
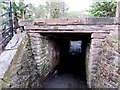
{"x":100,"y":21}
{"x":25,"y":22}
{"x":98,"y":35}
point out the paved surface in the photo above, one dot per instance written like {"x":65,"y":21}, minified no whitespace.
{"x":65,"y":80}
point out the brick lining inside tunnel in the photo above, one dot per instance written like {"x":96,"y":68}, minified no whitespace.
{"x":67,"y":61}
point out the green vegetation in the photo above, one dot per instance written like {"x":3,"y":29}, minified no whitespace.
{"x":49,"y":10}
{"x":116,"y":41}
{"x":56,"y":9}
{"x":104,"y":9}
{"x":19,"y":10}
{"x":27,"y":11}
{"x":3,"y":6}
{"x":73,"y":14}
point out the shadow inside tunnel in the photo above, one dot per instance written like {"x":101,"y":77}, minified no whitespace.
{"x":71,"y":71}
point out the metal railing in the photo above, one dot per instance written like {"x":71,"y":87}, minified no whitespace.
{"x":6,"y":30}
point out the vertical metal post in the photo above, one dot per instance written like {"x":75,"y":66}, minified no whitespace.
{"x":11,"y":23}
{"x":0,"y":44}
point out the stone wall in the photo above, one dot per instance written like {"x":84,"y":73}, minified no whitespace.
{"x":39,"y":46}
{"x":32,"y":60}
{"x":108,"y":72}
{"x":92,"y":56}
{"x":54,"y":57}
{"x":45,"y":53}
{"x":103,"y":68}
{"x":22,"y":71}
{"x":12,"y":62}
{"x":87,"y":58}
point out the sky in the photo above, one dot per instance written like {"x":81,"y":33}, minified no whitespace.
{"x":73,"y":5}
{"x":78,"y":5}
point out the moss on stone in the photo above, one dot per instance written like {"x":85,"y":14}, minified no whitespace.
{"x":12,"y":68}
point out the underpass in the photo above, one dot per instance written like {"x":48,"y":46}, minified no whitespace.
{"x":66,"y":53}
{"x":71,"y":70}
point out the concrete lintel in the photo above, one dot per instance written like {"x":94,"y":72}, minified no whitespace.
{"x":98,"y":35}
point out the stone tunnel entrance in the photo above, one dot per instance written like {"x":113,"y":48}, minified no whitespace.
{"x":65,"y":53}
{"x":70,"y":72}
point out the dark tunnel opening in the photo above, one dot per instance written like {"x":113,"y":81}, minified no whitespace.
{"x":71,"y":58}
{"x":72,"y":65}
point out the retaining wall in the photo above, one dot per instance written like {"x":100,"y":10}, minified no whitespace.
{"x":27,"y":61}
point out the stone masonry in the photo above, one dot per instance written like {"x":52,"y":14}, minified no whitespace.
{"x":31,"y":62}
{"x":99,"y":34}
{"x":108,"y":65}
{"x":45,"y":54}
{"x":32,"y":57}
